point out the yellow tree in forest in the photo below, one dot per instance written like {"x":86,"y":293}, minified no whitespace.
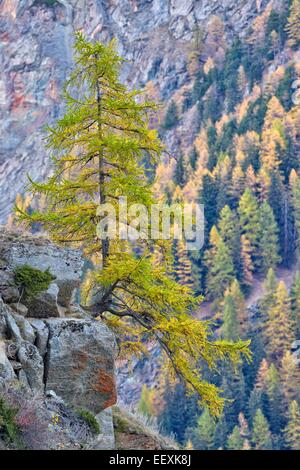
{"x":100,"y":150}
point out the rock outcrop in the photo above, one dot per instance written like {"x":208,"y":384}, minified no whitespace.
{"x":155,"y":36}
{"x":68,"y":357}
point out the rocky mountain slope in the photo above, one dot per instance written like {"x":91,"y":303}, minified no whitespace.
{"x":57,"y":366}
{"x":155,"y":36}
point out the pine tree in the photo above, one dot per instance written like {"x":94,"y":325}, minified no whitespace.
{"x":207,"y":197}
{"x":229,"y":232}
{"x":179,"y":175}
{"x":292,"y":430}
{"x":279,"y":328}
{"x":275,"y":399}
{"x":171,"y":117}
{"x":250,"y":222}
{"x":100,"y":146}
{"x":293,"y":26}
{"x":205,"y":432}
{"x":295,"y":189}
{"x":261,"y":435}
{"x":230,"y":329}
{"x":268,"y":242}
{"x":194,"y":156}
{"x":221,"y":272}
{"x":235,"y":440}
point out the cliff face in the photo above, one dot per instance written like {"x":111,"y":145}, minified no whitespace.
{"x":155,"y":36}
{"x":48,"y":348}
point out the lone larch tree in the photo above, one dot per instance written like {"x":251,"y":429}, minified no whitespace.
{"x":100,"y":149}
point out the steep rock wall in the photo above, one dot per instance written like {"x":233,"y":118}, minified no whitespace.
{"x":155,"y":36}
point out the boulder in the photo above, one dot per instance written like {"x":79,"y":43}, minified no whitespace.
{"x":45,"y":304}
{"x":80,"y":363}
{"x":32,"y":365}
{"x":42,"y":335}
{"x":65,"y":264}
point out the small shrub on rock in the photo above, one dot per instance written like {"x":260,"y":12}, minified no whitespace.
{"x":32,"y":281}
{"x":90,"y":419}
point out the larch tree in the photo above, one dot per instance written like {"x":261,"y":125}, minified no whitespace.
{"x":295,"y":302}
{"x":239,"y":301}
{"x":293,"y":26}
{"x":247,"y":264}
{"x":290,"y":378}
{"x":279,"y":333}
{"x":99,"y":148}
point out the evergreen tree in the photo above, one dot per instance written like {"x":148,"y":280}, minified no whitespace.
{"x":261,"y":435}
{"x":179,"y":175}
{"x":275,"y":400}
{"x":292,"y":430}
{"x":171,"y":117}
{"x":221,"y":271}
{"x":250,"y":222}
{"x":194,"y":156}
{"x":295,"y":189}
{"x":99,"y":147}
{"x":207,"y":197}
{"x":229,"y":232}
{"x":235,"y":440}
{"x":230,"y":328}
{"x":268,"y":242}
{"x":204,"y":433}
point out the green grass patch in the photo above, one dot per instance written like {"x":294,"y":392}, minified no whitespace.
{"x":8,"y":427}
{"x":90,"y":419}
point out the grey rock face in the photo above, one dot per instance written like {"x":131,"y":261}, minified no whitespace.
{"x":32,"y":365}
{"x":6,"y":369}
{"x":36,"y":56}
{"x":45,"y":304}
{"x":65,"y":264}
{"x":80,"y":363}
